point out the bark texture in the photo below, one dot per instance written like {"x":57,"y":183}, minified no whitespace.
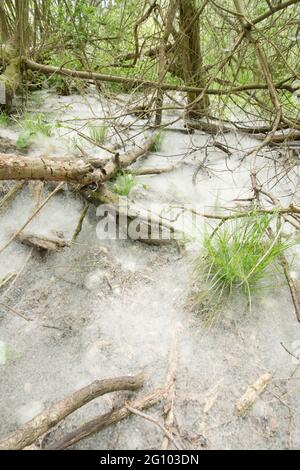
{"x":74,"y":170}
{"x":191,"y":59}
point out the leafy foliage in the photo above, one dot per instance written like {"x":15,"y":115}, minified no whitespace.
{"x":36,"y":124}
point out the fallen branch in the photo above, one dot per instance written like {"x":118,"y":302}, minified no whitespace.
{"x":83,"y":171}
{"x":253,"y":392}
{"x":103,"y":421}
{"x":41,"y":423}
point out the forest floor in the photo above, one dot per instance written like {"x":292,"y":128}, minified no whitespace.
{"x":104,"y":308}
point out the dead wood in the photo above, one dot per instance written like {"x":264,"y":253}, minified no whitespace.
{"x":42,"y":242}
{"x":41,"y":423}
{"x":252,"y":393}
{"x":152,"y":171}
{"x":73,"y":170}
{"x":103,"y":421}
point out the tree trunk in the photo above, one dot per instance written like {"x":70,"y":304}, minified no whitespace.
{"x":190,"y":54}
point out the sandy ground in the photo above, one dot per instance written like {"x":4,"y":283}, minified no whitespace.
{"x":109,"y":307}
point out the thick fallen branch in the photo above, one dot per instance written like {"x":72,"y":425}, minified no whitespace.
{"x":41,"y":423}
{"x":74,"y":170}
{"x":166,"y":393}
{"x":13,"y":167}
{"x":103,"y":421}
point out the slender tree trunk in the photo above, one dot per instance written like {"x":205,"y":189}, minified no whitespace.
{"x":190,"y":55}
{"x":162,"y":62}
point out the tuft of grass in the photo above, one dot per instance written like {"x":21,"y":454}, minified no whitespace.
{"x":157,"y":142}
{"x":124,"y":184}
{"x":98,"y":133}
{"x":36,"y":124}
{"x":4,"y":119}
{"x":238,"y":254}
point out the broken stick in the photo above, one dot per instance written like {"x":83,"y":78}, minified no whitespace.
{"x":252,"y":393}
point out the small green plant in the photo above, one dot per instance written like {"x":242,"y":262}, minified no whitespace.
{"x":98,"y":133}
{"x":23,"y":140}
{"x":238,"y":254}
{"x":124,"y":184}
{"x":4,"y":119}
{"x":158,"y":141}
{"x":36,"y":124}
